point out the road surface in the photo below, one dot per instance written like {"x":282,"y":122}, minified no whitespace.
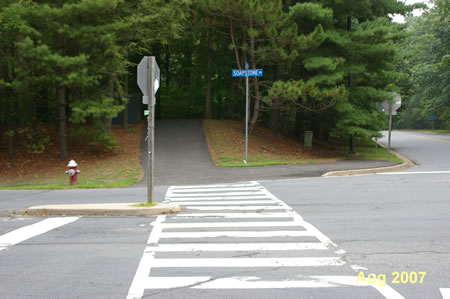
{"x":291,"y":238}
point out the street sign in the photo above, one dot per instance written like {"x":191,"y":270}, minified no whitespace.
{"x":390,"y":108}
{"x":393,"y":106}
{"x":247,"y":73}
{"x":142,"y":77}
{"x":432,"y":117}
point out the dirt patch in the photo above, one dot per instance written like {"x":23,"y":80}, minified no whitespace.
{"x":97,"y":166}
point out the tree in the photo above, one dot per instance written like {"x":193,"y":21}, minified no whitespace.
{"x":427,"y":60}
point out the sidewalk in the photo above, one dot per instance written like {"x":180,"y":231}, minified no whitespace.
{"x":182,"y":158}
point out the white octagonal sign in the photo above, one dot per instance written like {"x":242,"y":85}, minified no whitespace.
{"x":142,"y":78}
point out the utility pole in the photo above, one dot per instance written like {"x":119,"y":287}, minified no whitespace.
{"x":350,"y":83}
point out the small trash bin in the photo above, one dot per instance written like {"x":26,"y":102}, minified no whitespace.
{"x":307,"y":143}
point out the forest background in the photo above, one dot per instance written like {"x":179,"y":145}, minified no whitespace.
{"x":328,"y":64}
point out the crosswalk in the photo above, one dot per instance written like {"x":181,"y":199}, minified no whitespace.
{"x":241,"y":237}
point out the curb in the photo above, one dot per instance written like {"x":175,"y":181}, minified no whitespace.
{"x":108,"y":209}
{"x":406,"y":164}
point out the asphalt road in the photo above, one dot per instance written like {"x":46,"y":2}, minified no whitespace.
{"x":430,"y":152}
{"x":290,"y":238}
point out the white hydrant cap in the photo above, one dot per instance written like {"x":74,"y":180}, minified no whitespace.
{"x":72,"y":163}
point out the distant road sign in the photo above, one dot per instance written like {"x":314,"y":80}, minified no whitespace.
{"x":247,"y":73}
{"x":143,"y":76}
{"x":432,"y":117}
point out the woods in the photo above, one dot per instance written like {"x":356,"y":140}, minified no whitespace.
{"x":327,"y":63}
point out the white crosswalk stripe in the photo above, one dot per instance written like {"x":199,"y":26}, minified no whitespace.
{"x":223,"y":227}
{"x":19,"y":235}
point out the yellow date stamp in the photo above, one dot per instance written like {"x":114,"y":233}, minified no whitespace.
{"x":403,"y":277}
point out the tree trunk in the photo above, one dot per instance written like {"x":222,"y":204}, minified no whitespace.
{"x":275,"y":113}
{"x":125,"y":111}
{"x":61,"y":92}
{"x":12,"y":122}
{"x":298,"y":128}
{"x":208,"y":114}
{"x":233,"y":42}
{"x":350,"y":83}
{"x":255,"y":82}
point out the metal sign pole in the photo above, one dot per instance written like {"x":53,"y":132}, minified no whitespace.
{"x":246,"y":73}
{"x":389,"y":138}
{"x":148,"y":76}
{"x":246,"y":119}
{"x":150,"y":129}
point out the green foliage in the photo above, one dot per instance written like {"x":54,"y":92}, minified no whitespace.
{"x":77,"y":54}
{"x":36,"y":139}
{"x":426,"y":52}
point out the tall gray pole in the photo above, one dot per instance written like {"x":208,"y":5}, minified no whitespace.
{"x":150,"y":128}
{"x":246,"y":120}
{"x":389,"y":138}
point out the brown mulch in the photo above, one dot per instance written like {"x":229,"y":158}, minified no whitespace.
{"x":226,"y":138}
{"x":28,"y":167}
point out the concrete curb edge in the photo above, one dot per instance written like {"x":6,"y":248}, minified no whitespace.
{"x":406,"y":164}
{"x":108,"y":209}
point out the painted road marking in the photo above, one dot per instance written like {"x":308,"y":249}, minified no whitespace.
{"x":241,"y":208}
{"x":226,"y":202}
{"x":254,"y":282}
{"x":179,"y":199}
{"x":19,"y":235}
{"x":425,"y":137}
{"x":445,"y":293}
{"x":236,"y":234}
{"x":237,"y":247}
{"x":251,"y":184}
{"x":233,"y":215}
{"x":250,"y":282}
{"x":199,"y":195}
{"x":138,"y":285}
{"x":247,"y":262}
{"x":415,"y":172}
{"x":209,"y":190}
{"x":178,"y":254}
{"x":231,"y":224}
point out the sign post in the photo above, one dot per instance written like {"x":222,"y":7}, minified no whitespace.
{"x":246,"y":73}
{"x":432,"y":118}
{"x":148,"y":81}
{"x":390,"y":108}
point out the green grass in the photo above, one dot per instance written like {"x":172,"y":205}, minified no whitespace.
{"x":94,"y":177}
{"x":262,"y":161}
{"x":368,"y":151}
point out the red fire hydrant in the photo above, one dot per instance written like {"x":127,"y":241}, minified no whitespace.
{"x":73,"y":172}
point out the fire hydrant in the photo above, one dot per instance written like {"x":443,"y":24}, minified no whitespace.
{"x":73,"y":172}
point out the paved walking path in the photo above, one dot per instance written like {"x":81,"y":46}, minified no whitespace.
{"x":182,"y":157}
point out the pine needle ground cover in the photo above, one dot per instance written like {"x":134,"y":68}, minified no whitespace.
{"x":99,"y":169}
{"x":226,"y":142}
